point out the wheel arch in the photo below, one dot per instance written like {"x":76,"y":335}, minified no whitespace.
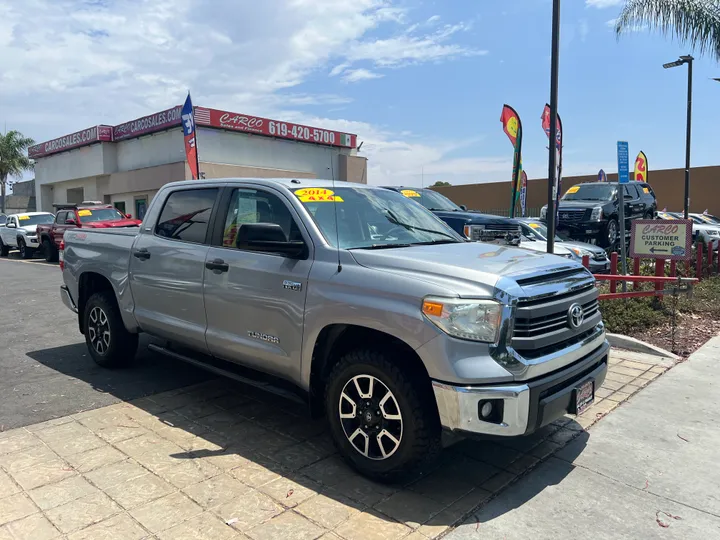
{"x":90,"y":283}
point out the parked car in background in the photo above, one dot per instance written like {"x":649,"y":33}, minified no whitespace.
{"x":350,"y":299}
{"x":599,"y":262}
{"x":3,"y":219}
{"x":708,"y":218}
{"x":704,"y":232}
{"x":19,"y":232}
{"x":590,"y":212}
{"x":474,"y":226}
{"x":88,"y":216}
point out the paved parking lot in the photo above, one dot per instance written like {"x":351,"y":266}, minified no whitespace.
{"x":163,"y":451}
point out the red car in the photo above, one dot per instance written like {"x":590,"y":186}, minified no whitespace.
{"x":93,"y":216}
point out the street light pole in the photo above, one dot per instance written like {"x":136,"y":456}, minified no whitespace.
{"x":552,"y":166}
{"x":688,"y":135}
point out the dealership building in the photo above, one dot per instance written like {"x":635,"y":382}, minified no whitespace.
{"x":125,"y":165}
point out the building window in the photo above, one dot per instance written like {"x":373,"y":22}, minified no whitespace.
{"x":120,"y":205}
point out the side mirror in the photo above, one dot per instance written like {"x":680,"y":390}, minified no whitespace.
{"x":70,"y":221}
{"x":11,"y":225}
{"x":269,"y":238}
{"x":463,"y":208}
{"x":628,"y":197}
{"x":128,"y":216}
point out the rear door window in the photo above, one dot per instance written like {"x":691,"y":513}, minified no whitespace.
{"x":186,"y":214}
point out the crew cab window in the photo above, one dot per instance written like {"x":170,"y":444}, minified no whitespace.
{"x":61,"y":217}
{"x":186,"y":214}
{"x":71,"y":215}
{"x":257,"y":206}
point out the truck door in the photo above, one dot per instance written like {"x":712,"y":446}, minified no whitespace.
{"x":255,"y":301}
{"x":167,"y":263}
{"x":8,"y":232}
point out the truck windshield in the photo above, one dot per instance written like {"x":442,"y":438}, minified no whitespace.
{"x":431,"y":200}
{"x":590,"y":192}
{"x":35,"y":220}
{"x":88,"y":215}
{"x":372,"y":218}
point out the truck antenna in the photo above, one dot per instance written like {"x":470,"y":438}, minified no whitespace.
{"x":337,"y":229}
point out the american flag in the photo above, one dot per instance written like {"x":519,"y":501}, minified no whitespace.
{"x":202,"y":116}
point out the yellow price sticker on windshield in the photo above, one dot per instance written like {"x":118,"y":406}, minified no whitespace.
{"x":317,"y":195}
{"x":84,"y":213}
{"x":646,"y":190}
{"x":534,"y":225}
{"x":410,"y":193}
{"x":23,"y":217}
{"x":573,"y":189}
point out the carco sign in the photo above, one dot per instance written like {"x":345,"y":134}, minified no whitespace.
{"x":74,"y":140}
{"x":661,"y":239}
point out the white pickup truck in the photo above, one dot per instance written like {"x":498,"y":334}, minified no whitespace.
{"x":19,"y":232}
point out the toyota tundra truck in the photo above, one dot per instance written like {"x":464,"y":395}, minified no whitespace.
{"x":352,"y":299}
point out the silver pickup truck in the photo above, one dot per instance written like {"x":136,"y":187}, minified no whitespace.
{"x":354,"y":299}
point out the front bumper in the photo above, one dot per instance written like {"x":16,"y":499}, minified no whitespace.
{"x":67,"y":299}
{"x":32,"y":241}
{"x":526,"y":407}
{"x":582,"y":230}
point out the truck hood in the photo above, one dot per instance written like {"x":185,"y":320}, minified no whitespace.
{"x":465,"y":268}
{"x":112,"y":224}
{"x":474,"y":217}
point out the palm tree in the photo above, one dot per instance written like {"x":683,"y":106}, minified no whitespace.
{"x":13,"y":159}
{"x":692,"y":22}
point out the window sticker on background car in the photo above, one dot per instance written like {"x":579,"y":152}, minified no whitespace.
{"x":573,"y":189}
{"x":317,"y":195}
{"x":84,"y":213}
{"x":410,"y":193}
{"x":23,"y":217}
{"x":646,"y":190}
{"x":534,"y":225}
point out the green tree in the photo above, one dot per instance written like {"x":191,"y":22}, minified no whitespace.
{"x":692,"y":22}
{"x":441,"y":184}
{"x":13,"y":159}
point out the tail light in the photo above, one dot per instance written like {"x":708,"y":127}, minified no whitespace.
{"x":61,"y":254}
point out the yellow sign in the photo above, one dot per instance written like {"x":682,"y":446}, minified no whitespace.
{"x":657,"y":239}
{"x":410,"y":193}
{"x":512,"y":126}
{"x":534,"y":225}
{"x":84,"y":213}
{"x":646,"y":190}
{"x":23,"y":217}
{"x":573,"y":189}
{"x":317,"y":195}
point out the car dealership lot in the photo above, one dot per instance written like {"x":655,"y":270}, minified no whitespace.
{"x":164,"y":449}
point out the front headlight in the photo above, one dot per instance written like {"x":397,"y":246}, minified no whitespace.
{"x":580,"y":252}
{"x":476,"y":320}
{"x":597,"y":214}
{"x":713,"y":233}
{"x":543,"y":213}
{"x":474,"y":232}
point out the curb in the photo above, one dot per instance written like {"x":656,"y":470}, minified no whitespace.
{"x":631,"y":344}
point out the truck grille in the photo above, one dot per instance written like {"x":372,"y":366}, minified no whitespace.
{"x":600,"y":256}
{"x":571,"y":215}
{"x":543,"y":324}
{"x":492,"y":232}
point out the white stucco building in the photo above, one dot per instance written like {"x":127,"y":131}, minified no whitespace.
{"x":125,"y":165}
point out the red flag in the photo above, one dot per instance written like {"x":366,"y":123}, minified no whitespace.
{"x":546,"y":126}
{"x":511,"y":123}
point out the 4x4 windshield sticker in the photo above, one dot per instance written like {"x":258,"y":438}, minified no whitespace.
{"x":317,"y":195}
{"x":410,"y":193}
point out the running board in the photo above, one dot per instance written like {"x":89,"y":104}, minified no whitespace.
{"x":263,"y":385}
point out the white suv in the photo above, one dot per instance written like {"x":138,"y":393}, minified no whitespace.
{"x":19,"y":232}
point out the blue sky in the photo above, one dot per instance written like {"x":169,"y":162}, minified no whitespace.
{"x":421,"y":82}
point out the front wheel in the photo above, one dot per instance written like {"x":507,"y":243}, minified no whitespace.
{"x":108,"y":341}
{"x":382,"y":419}
{"x":25,"y":252}
{"x":610,"y":235}
{"x":50,"y":251}
{"x":4,"y":250}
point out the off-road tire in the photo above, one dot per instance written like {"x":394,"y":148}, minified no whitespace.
{"x":4,"y":250}
{"x":25,"y":251}
{"x":420,"y":443}
{"x":50,"y":251}
{"x":120,"y":348}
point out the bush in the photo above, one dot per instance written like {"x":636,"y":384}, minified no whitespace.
{"x":627,"y":316}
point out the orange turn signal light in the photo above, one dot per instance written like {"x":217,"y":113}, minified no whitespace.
{"x":432,"y":308}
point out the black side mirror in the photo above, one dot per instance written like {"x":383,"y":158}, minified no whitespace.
{"x":269,"y":238}
{"x":463,"y":208}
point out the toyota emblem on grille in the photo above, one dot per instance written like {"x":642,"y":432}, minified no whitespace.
{"x":575,"y":316}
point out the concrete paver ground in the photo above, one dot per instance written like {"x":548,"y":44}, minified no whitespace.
{"x":221,"y":460}
{"x":649,"y":470}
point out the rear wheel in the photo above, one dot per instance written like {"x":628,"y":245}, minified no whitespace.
{"x":4,"y":250}
{"x":109,"y":343}
{"x":383,"y":421}
{"x":25,"y":251}
{"x":49,"y":250}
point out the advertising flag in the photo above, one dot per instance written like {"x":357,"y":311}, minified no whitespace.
{"x":641,"y":167}
{"x":188,"y":123}
{"x":523,"y":193}
{"x":545,"y":118}
{"x":513,"y":129}
{"x":602,"y":177}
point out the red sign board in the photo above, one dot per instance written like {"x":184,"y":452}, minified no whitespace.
{"x":272,"y":128}
{"x":74,"y":140}
{"x":148,"y":124}
{"x":661,"y":239}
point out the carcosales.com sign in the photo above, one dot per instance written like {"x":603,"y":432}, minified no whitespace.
{"x":74,"y":140}
{"x":148,"y":124}
{"x":661,"y":239}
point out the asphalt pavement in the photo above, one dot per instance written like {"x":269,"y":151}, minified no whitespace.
{"x":45,"y":369}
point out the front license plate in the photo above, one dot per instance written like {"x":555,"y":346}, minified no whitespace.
{"x":584,"y":396}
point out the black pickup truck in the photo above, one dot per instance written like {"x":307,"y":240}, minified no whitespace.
{"x":472,"y":225}
{"x":590,"y":212}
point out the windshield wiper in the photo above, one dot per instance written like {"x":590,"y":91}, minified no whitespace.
{"x":392,"y":218}
{"x":434,"y":242}
{"x":382,"y":246}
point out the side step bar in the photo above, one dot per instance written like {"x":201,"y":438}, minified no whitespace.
{"x":245,"y":379}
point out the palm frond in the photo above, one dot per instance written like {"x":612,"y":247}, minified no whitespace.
{"x":692,"y":22}
{"x":13,"y":158}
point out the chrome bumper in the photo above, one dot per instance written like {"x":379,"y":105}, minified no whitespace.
{"x":67,"y":299}
{"x":526,"y":406}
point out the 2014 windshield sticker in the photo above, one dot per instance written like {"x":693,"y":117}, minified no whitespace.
{"x":410,"y":193}
{"x":307,"y":195}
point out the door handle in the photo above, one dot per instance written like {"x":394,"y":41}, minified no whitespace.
{"x":218,"y":266}
{"x":142,"y":254}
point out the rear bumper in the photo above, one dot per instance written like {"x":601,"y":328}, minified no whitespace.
{"x":67,"y":299}
{"x":525,"y":407}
